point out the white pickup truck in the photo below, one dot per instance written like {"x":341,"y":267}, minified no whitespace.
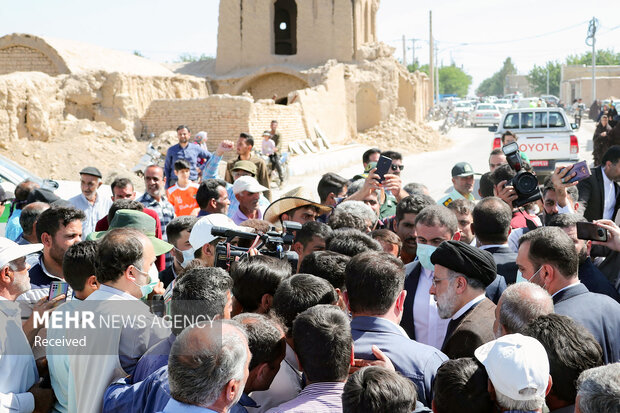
{"x":545,"y":135}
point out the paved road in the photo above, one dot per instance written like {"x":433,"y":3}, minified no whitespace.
{"x":433,"y":168}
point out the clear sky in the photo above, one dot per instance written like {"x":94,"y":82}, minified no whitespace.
{"x":477,"y":34}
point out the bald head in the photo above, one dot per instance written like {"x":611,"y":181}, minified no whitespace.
{"x":520,"y":304}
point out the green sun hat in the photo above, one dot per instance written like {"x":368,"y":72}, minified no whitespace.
{"x":127,"y":218}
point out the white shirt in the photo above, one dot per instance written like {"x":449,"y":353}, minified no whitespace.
{"x":18,"y":370}
{"x":610,"y":196}
{"x":429,"y":327}
{"x":467,"y":306}
{"x":94,"y":212}
{"x":565,"y":288}
{"x":286,"y":385}
{"x":486,"y":247}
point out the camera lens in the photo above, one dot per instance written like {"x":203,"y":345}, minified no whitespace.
{"x":526,"y":183}
{"x":600,"y":232}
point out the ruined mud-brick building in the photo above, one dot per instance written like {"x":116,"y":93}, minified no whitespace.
{"x":311,"y":64}
{"x":308,"y":63}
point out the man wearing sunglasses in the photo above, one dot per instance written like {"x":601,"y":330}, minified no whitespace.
{"x":397,"y":162}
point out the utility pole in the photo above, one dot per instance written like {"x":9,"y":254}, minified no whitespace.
{"x":592,"y":39}
{"x":431,"y":66}
{"x":404,"y":51}
{"x":437,"y":72}
{"x":547,"y":80}
{"x":413,"y":51}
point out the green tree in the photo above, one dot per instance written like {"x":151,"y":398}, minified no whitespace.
{"x":538,"y":78}
{"x":603,"y":57}
{"x":494,"y":85}
{"x":416,"y":66}
{"x":188,"y":57}
{"x":138,"y":53}
{"x":453,"y":80}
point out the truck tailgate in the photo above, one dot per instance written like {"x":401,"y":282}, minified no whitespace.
{"x":544,"y":145}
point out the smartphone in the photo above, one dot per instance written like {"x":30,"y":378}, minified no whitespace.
{"x":590,"y":231}
{"x":58,"y":288}
{"x":583,"y":172}
{"x":383,"y":167}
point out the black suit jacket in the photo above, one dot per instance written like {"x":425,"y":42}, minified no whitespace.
{"x":412,"y":278}
{"x":595,"y":281}
{"x":596,"y":312}
{"x":166,"y":276}
{"x":505,"y":259}
{"x":592,"y":196}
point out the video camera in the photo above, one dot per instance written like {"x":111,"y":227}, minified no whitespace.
{"x":525,"y":183}
{"x":270,"y":243}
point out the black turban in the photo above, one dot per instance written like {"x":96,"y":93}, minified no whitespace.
{"x":467,"y":260}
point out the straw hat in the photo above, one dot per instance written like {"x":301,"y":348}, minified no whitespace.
{"x":295,"y":198}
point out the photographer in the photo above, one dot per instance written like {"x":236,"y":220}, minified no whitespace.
{"x":203,"y":242}
{"x":502,"y":177}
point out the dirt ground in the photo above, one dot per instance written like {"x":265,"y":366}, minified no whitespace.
{"x":83,"y":144}
{"x":96,"y":144}
{"x":400,"y":134}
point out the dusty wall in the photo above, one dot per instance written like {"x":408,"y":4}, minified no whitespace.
{"x":25,"y":59}
{"x":606,"y":87}
{"x":32,"y":105}
{"x":224,"y":117}
{"x":328,"y":23}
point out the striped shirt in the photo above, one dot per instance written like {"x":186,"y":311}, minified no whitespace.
{"x":324,"y":397}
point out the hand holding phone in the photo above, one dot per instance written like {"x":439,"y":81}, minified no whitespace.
{"x":58,"y":288}
{"x":383,"y":167}
{"x":582,"y":172}
{"x":591,"y":232}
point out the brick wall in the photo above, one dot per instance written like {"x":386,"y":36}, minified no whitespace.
{"x":290,"y":121}
{"x":224,"y":117}
{"x":221,"y":116}
{"x":25,"y":59}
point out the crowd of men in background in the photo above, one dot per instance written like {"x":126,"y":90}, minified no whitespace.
{"x":382,"y":300}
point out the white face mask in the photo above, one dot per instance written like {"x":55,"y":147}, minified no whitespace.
{"x":188,"y":256}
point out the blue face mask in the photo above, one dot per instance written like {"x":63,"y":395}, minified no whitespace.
{"x":148,"y":288}
{"x":520,"y":277}
{"x":424,"y":252}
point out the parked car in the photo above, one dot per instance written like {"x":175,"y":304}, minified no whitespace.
{"x":503,"y":104}
{"x":545,"y":135}
{"x":485,"y":114}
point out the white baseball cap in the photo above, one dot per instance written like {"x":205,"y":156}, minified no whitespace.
{"x":247,"y":183}
{"x":201,"y":231}
{"x":517,"y":366}
{"x":10,"y":250}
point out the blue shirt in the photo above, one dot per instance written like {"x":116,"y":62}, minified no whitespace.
{"x":155,"y":358}
{"x":13,"y":228}
{"x":164,"y":209}
{"x":174,"y":406}
{"x":190,"y":153}
{"x":94,"y":212}
{"x":416,"y":361}
{"x":148,"y":396}
{"x":153,"y":395}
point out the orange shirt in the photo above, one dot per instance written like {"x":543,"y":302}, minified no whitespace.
{"x":183,"y":199}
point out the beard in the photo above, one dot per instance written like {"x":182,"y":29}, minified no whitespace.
{"x":446,"y":304}
{"x":583,"y":255}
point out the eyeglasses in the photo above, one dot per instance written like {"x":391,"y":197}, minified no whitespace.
{"x":398,"y":167}
{"x":436,"y":280}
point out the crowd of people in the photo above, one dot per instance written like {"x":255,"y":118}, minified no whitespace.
{"x":205,"y":294}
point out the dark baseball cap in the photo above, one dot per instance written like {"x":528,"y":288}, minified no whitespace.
{"x":462,"y":169}
{"x":91,"y":170}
